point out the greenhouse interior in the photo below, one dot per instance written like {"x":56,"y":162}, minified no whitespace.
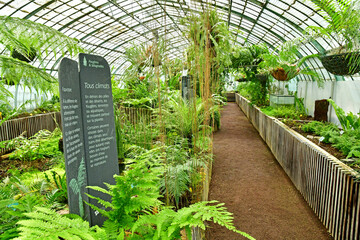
{"x":180,"y":119}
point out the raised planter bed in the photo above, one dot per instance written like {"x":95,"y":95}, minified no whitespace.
{"x":327,"y":184}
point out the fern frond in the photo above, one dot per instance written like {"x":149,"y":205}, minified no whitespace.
{"x":12,"y":69}
{"x":100,"y":201}
{"x":24,"y":35}
{"x":47,"y":224}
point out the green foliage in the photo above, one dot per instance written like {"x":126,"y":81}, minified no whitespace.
{"x":349,"y":121}
{"x":181,"y":172}
{"x":343,"y":22}
{"x":11,"y":211}
{"x":326,"y":130}
{"x":59,"y":191}
{"x":24,"y":35}
{"x":167,"y":224}
{"x":348,"y":142}
{"x":285,"y":58}
{"x":289,"y":112}
{"x":136,"y":191}
{"x":47,"y":224}
{"x":43,"y":144}
{"x":248,"y":55}
{"x":135,"y":207}
{"x":255,"y":90}
{"x":31,"y":39}
{"x":19,"y":71}
{"x":174,"y":82}
{"x":51,"y":105}
{"x":180,"y":116}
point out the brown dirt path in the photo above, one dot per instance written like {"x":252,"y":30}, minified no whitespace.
{"x":253,"y":186}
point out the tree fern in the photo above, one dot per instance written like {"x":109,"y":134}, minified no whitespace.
{"x":23,"y":34}
{"x":16,"y":70}
{"x":47,"y":224}
{"x":26,"y":37}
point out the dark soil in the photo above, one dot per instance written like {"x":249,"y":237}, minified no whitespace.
{"x":326,"y":146}
{"x":253,"y":186}
{"x":21,"y":166}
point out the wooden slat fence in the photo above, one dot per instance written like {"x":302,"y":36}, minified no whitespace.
{"x":13,"y":128}
{"x":28,"y":126}
{"x":327,"y":184}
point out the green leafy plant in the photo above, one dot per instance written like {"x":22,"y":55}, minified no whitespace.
{"x":349,"y":121}
{"x":348,"y":143}
{"x":47,"y":224}
{"x":288,"y":112}
{"x":167,"y":224}
{"x":343,"y":23}
{"x":13,"y":210}
{"x":136,"y":191}
{"x":28,"y":40}
{"x":284,"y":64}
{"x":248,"y":55}
{"x":136,"y":212}
{"x":43,"y":144}
{"x":59,"y":187}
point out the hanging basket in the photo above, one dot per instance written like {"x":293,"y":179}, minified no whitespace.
{"x":281,"y":75}
{"x":338,"y":64}
{"x":29,"y":58}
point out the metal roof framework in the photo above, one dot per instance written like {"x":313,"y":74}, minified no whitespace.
{"x":109,"y":27}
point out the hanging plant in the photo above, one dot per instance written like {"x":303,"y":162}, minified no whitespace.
{"x":283,"y":64}
{"x":285,"y":74}
{"x":342,"y":64}
{"x":343,"y":26}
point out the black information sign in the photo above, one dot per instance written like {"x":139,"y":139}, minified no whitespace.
{"x":73,"y":136}
{"x":98,"y":128}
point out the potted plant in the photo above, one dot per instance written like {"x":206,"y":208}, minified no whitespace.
{"x":343,"y":26}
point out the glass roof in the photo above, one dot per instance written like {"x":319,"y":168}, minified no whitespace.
{"x":108,"y":27}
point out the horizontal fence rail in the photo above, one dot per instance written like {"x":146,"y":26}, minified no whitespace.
{"x":327,"y":184}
